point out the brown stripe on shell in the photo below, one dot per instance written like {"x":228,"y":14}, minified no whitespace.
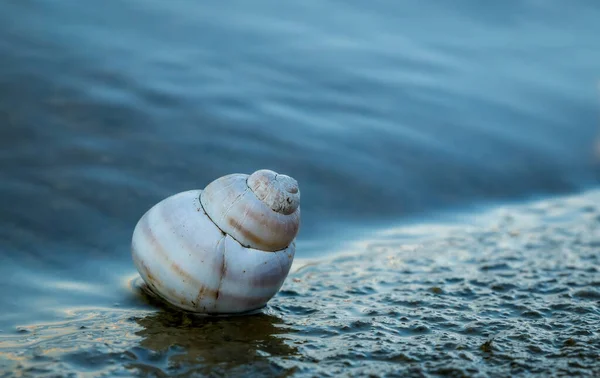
{"x":223,"y":269}
{"x":147,"y":231}
{"x":231,"y":195}
{"x":149,"y":276}
{"x":201,"y":294}
{"x":174,"y":298}
{"x":158,"y":287}
{"x":166,"y":217}
{"x":203,"y":291}
{"x":161,"y":251}
{"x":286,"y":226}
{"x":255,"y":239}
{"x":220,"y":297}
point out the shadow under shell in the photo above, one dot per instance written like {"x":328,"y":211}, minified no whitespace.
{"x":145,"y":292}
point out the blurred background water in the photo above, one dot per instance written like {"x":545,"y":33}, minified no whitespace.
{"x":384,"y":112}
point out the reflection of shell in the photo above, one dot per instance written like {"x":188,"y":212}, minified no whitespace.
{"x":252,"y":343}
{"x":199,"y":265}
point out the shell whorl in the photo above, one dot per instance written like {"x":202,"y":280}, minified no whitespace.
{"x":260,"y":211}
{"x":279,"y":192}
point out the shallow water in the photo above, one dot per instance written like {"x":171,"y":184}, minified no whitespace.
{"x":511,"y":291}
{"x":386,"y":114}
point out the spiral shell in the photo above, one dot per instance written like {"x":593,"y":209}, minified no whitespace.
{"x":260,"y":211}
{"x":226,"y":249}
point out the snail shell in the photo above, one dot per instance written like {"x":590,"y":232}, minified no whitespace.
{"x":225,"y":249}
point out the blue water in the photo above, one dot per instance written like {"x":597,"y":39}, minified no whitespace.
{"x":382,"y":111}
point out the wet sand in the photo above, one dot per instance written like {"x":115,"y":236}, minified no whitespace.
{"x":507,"y":291}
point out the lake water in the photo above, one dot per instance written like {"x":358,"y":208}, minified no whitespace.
{"x":409,"y":125}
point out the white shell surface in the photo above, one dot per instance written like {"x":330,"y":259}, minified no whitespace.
{"x":236,"y":210}
{"x":191,"y":263}
{"x":279,"y":192}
